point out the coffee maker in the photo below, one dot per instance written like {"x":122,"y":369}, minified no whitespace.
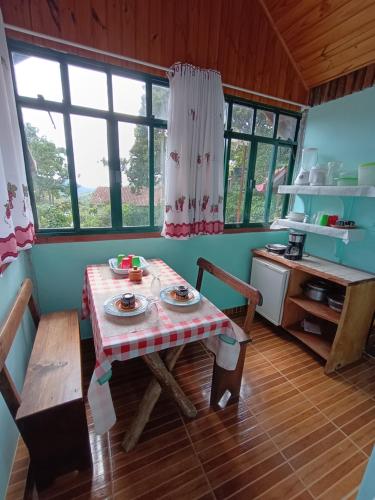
{"x":294,"y":249}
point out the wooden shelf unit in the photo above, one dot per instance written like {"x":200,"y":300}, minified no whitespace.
{"x":346,"y":335}
{"x":319,"y":309}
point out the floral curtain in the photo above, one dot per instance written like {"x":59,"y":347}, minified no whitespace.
{"x":194,"y":191}
{"x":16,"y":220}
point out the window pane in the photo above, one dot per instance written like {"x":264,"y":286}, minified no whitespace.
{"x":134,"y":159}
{"x":287,"y":128}
{"x":88,"y":87}
{"x":160,"y":142}
{"x":160,"y":96}
{"x":237,"y":177}
{"x":264,"y":123}
{"x":49,"y":170}
{"x":242,"y":119}
{"x":92,"y":175}
{"x":36,"y":76}
{"x":279,"y":178}
{"x":262,"y":165}
{"x":129,"y":96}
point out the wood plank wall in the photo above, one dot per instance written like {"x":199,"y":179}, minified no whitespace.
{"x":345,"y":85}
{"x":234,"y":37}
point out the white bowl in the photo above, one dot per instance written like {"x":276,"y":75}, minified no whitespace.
{"x":296,"y":216}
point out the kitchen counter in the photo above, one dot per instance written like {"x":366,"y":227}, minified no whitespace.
{"x":325,"y":269}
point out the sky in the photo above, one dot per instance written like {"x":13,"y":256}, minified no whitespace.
{"x":88,"y":88}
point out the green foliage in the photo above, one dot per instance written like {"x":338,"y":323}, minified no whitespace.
{"x":50,"y":179}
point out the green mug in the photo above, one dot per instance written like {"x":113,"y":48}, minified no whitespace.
{"x":323,"y":220}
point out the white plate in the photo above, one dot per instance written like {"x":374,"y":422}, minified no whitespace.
{"x":165,"y":297}
{"x":110,"y":306}
{"x":124,"y":272}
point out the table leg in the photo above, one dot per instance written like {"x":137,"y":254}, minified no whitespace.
{"x":148,"y":402}
{"x":169,"y":384}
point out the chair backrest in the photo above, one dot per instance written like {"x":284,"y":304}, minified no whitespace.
{"x":254,"y":297}
{"x":8,"y":332}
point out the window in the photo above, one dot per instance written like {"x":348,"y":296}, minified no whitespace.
{"x":95,"y":143}
{"x":260,"y":150}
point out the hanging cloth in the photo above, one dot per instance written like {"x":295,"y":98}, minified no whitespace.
{"x":16,"y":219}
{"x":194,"y":167}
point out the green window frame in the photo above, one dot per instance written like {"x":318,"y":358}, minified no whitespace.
{"x":113,"y":118}
{"x":255,"y":141}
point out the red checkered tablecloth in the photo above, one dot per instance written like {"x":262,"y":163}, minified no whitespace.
{"x":120,"y":339}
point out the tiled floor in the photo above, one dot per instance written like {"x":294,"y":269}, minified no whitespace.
{"x":296,"y":433}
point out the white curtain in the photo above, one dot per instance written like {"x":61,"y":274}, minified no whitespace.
{"x":194,"y":168}
{"x":16,"y":220}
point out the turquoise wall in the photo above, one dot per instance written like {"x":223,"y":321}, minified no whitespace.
{"x":344,"y":130}
{"x":17,"y":360}
{"x":60,"y":267}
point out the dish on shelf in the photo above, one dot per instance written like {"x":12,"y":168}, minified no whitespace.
{"x":296,"y":216}
{"x":336,"y":302}
{"x":346,"y":226}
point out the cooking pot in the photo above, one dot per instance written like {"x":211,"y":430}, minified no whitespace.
{"x":316,"y":290}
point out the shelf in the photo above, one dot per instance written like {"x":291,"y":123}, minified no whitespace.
{"x":317,"y":343}
{"x":346,"y":235}
{"x":365,"y":191}
{"x":318,"y":309}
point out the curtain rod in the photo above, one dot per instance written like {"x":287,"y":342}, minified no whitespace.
{"x":142,"y":63}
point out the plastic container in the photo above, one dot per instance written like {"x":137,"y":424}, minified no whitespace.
{"x":334,"y":170}
{"x":318,"y":176}
{"x":347,"y":180}
{"x":366,"y":174}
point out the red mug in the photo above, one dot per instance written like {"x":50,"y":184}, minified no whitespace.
{"x":332,"y":219}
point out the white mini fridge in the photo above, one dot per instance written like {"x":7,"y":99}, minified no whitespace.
{"x":272,"y":281}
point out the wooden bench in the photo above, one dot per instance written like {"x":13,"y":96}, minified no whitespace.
{"x":230,"y":380}
{"x":50,"y":413}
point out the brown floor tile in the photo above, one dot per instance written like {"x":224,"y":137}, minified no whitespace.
{"x":282,"y":439}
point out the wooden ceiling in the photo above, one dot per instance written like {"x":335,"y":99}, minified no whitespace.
{"x":234,"y":36}
{"x":327,"y":38}
{"x":277,"y":47}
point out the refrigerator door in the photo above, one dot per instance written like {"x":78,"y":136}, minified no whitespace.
{"x":272,"y":282}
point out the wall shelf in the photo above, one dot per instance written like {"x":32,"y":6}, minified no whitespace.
{"x":365,"y":191}
{"x":346,"y":235}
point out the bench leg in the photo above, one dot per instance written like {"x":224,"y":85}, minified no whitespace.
{"x":227,"y":380}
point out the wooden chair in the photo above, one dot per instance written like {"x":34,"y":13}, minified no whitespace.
{"x":225,"y":380}
{"x":50,"y":412}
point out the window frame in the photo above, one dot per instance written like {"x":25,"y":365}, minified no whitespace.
{"x":66,"y":108}
{"x":254,"y":140}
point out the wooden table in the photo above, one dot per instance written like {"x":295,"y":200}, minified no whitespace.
{"x":125,"y":338}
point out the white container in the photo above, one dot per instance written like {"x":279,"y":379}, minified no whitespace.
{"x":366,"y":174}
{"x":309,"y":159}
{"x":318,"y":176}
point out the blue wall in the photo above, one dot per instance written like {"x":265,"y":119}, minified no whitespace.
{"x":17,"y":360}
{"x":60,"y":267}
{"x":344,"y":130}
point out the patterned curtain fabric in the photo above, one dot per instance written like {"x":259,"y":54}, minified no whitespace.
{"x":16,"y":220}
{"x":194,"y":185}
